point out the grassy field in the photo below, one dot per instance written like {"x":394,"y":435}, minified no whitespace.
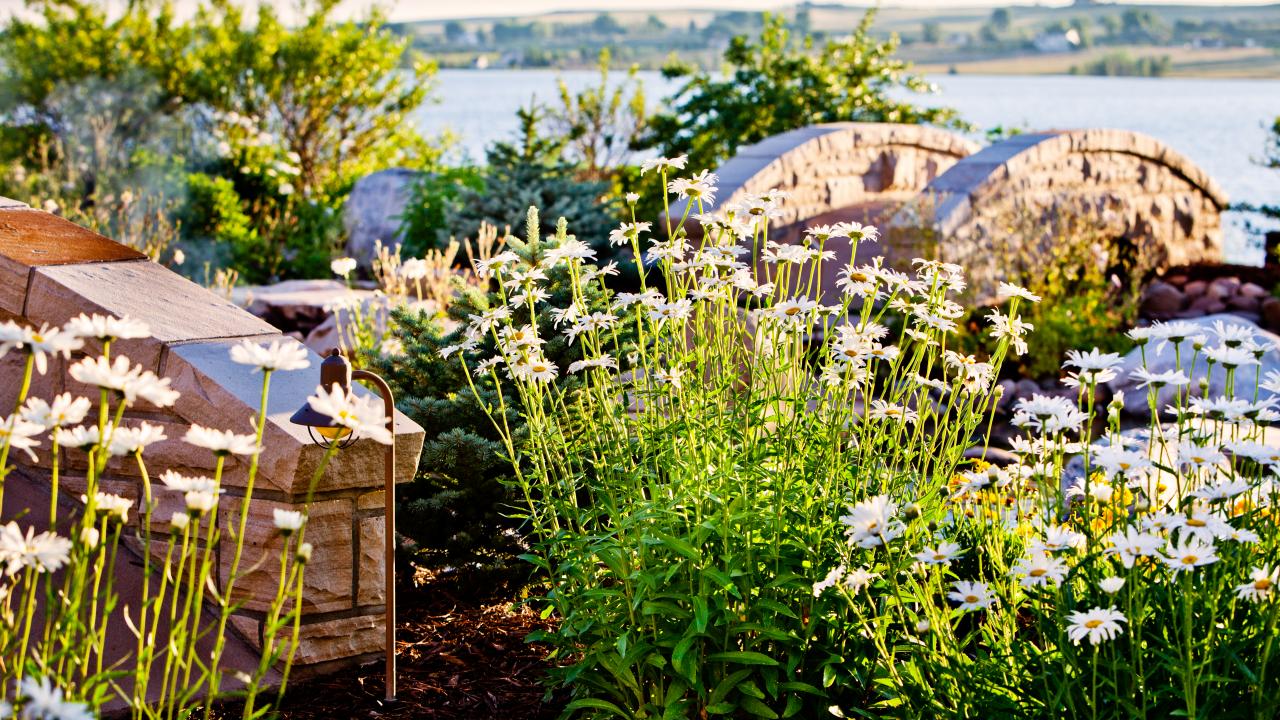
{"x":1187,"y":62}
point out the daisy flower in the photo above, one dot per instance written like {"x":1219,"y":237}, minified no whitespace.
{"x":45,"y":552}
{"x":884,"y":410}
{"x":199,"y":502}
{"x":342,"y":266}
{"x":943,"y":554}
{"x":1189,"y":553}
{"x":858,"y":578}
{"x":663,"y":165}
{"x":363,"y":415}
{"x":833,"y":577}
{"x":20,"y":434}
{"x":287,"y":521}
{"x":1009,"y":290}
{"x":872,"y":522}
{"x":104,"y":373}
{"x":185,"y":484}
{"x":150,"y":388}
{"x":1111,"y":585}
{"x":46,"y":341}
{"x":1262,"y":583}
{"x":1132,"y":544}
{"x":1039,"y":569}
{"x":106,"y":328}
{"x":971,"y":595}
{"x":1095,"y":625}
{"x":1056,"y":539}
{"x":221,"y":442}
{"x":112,"y":505}
{"x":279,"y":355}
{"x":44,"y":701}
{"x":65,"y":410}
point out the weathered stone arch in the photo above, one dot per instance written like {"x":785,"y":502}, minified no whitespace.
{"x":830,"y":167}
{"x":1131,"y":187}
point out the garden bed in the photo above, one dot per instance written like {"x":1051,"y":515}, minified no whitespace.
{"x":462,"y":655}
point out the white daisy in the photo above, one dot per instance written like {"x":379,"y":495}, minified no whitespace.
{"x":1096,"y":625}
{"x":971,"y":595}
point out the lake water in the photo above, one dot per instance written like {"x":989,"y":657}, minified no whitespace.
{"x":1219,"y":124}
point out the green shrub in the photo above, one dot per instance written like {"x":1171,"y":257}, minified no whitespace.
{"x":1088,"y":278}
{"x":424,"y":224}
{"x":533,"y":172}
{"x":292,"y":115}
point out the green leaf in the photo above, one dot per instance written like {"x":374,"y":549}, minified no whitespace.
{"x":742,"y":657}
{"x":597,"y":704}
{"x":757,"y":708}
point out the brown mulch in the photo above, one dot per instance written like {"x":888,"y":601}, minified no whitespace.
{"x":461,"y":653}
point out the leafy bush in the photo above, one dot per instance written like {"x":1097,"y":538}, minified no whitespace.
{"x":764,"y":507}
{"x":424,"y":224}
{"x":292,"y":116}
{"x":772,"y":84}
{"x":1089,"y":279}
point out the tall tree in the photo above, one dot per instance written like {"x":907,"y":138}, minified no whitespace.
{"x":774,"y":84}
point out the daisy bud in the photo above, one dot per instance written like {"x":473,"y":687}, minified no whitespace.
{"x":200,"y":502}
{"x":89,"y":537}
{"x":287,"y":521}
{"x":912,"y":511}
{"x":304,"y":553}
{"x":179,"y":521}
{"x":922,"y":627}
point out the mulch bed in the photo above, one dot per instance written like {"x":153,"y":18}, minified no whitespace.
{"x":462,"y":655}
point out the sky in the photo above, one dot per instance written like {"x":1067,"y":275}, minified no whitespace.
{"x":440,"y":9}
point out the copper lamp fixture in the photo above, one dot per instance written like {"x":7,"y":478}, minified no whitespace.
{"x":336,"y":370}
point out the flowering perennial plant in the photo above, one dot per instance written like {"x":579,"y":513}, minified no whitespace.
{"x":54,"y":656}
{"x":774,"y":502}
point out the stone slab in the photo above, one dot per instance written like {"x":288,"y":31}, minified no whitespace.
{"x":372,"y":558}
{"x":327,"y":579}
{"x":174,"y":308}
{"x":341,"y":638}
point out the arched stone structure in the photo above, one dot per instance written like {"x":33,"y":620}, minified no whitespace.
{"x":1127,"y":186}
{"x":831,"y":167}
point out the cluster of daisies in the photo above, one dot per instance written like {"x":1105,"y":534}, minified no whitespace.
{"x":1163,"y":501}
{"x":68,"y":422}
{"x":723,"y":258}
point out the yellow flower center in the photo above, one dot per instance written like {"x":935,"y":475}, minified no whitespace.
{"x":1263,"y":584}
{"x":1037,"y":572}
{"x":1093,"y":624}
{"x":792,"y":310}
{"x":1195,"y":522}
{"x":1190,"y":560}
{"x":971,"y":598}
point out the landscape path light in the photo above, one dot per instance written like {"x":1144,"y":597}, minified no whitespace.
{"x":336,"y":370}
